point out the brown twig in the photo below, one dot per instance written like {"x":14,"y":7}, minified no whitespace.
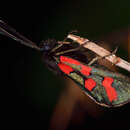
{"x":101,"y":52}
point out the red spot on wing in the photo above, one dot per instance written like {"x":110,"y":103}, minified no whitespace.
{"x":65,"y":68}
{"x":111,"y":92}
{"x":90,"y":84}
{"x":69,"y":60}
{"x":85,"y":70}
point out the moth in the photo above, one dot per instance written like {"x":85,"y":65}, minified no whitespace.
{"x":106,"y":88}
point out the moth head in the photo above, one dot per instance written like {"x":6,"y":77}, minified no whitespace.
{"x":48,"y":45}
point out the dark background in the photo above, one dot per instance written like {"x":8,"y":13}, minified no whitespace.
{"x":33,"y":90}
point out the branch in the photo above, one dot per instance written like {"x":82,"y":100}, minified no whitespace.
{"x":101,"y":52}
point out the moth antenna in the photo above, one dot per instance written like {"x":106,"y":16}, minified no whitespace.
{"x":8,"y":31}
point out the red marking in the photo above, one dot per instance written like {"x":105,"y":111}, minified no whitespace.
{"x":90,"y":84}
{"x":111,"y":92}
{"x":69,"y":60}
{"x":85,"y":70}
{"x":65,"y":68}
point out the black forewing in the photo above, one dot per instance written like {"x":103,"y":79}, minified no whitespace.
{"x":98,"y":94}
{"x":8,"y":31}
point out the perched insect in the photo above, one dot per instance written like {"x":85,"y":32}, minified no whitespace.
{"x":104,"y":87}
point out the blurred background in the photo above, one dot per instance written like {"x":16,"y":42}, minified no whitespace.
{"x":37,"y":98}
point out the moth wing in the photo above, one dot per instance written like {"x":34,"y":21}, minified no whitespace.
{"x":104,"y":87}
{"x":103,"y":95}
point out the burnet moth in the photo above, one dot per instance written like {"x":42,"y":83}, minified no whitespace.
{"x":104,"y":87}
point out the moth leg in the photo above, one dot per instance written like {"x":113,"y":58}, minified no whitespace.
{"x":71,"y":50}
{"x":54,"y":49}
{"x":63,"y":42}
{"x":99,"y":57}
{"x":94,"y":60}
